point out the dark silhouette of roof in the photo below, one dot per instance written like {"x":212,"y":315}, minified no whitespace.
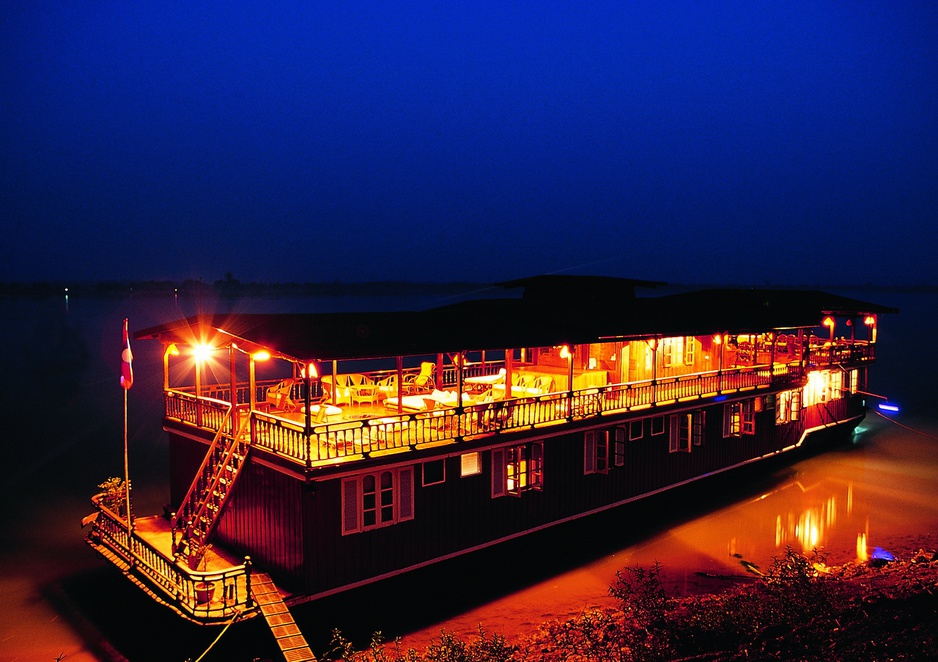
{"x":554,"y":310}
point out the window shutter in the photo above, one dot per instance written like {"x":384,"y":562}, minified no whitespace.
{"x":699,"y":422}
{"x":620,"y":446}
{"x":350,"y":506}
{"x":690,"y":350}
{"x":674,"y":433}
{"x":405,"y":497}
{"x":499,"y":479}
{"x":589,"y":453}
{"x":537,"y":459}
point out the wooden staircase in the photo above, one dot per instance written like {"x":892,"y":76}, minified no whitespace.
{"x":202,"y":506}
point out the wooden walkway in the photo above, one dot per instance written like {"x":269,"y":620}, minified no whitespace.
{"x":291,"y":641}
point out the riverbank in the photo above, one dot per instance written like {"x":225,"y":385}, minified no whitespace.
{"x":885,"y":607}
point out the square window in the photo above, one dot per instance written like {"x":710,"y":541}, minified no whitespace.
{"x":434,"y":472}
{"x":470,"y":464}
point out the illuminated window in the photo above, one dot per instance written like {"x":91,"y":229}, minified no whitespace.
{"x":787,"y":406}
{"x":667,"y":351}
{"x":738,"y":418}
{"x":596,"y":452}
{"x":686,"y":430}
{"x":375,"y":500}
{"x":690,"y":350}
{"x":517,"y":469}
{"x":470,"y":464}
{"x":818,"y":388}
{"x":783,"y":408}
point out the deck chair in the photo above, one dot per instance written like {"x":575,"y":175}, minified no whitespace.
{"x":364,"y":390}
{"x":423,"y":381}
{"x":387,"y":387}
{"x":319,"y":415}
{"x":279,"y":396}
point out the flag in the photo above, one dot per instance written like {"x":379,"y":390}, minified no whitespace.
{"x":127,"y":357}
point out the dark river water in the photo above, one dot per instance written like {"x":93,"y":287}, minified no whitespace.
{"x":62,"y":408}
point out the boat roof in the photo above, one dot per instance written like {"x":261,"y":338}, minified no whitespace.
{"x":574,"y":314}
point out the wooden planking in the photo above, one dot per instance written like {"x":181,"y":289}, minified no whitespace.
{"x":287,"y":634}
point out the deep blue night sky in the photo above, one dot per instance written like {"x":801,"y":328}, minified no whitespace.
{"x":727,"y":142}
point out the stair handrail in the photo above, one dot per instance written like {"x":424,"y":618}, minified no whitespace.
{"x":180,"y":516}
{"x":237,"y":441}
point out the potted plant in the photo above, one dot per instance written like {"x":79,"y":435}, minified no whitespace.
{"x":114,"y":496}
{"x":204,"y":589}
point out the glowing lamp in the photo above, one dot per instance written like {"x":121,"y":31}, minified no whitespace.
{"x":718,"y":339}
{"x":869,"y":320}
{"x":828,"y":322}
{"x":202,"y":351}
{"x":172,"y":350}
{"x":565,"y":352}
{"x":261,"y":355}
{"x":309,"y":370}
{"x":888,"y":406}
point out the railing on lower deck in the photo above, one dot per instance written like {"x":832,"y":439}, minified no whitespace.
{"x":392,"y":431}
{"x":203,"y":596}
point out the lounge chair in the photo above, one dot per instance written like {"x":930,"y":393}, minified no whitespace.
{"x":342,"y":393}
{"x":422,"y":382}
{"x":278,"y":397}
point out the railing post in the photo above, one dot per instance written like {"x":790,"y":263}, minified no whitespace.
{"x":249,"y":599}
{"x":172,"y":529}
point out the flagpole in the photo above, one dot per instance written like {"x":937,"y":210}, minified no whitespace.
{"x":130,"y":524}
{"x":127,"y":380}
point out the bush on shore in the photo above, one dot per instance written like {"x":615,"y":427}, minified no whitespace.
{"x":798,"y":609}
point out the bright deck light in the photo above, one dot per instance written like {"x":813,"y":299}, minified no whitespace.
{"x":202,"y":351}
{"x":886,"y":406}
{"x":261,"y":355}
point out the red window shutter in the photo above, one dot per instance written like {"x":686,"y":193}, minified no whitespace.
{"x":405,"y":498}
{"x":351,"y":522}
{"x":499,"y":477}
{"x":589,"y":453}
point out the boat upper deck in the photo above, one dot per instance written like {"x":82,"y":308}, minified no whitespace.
{"x":321,"y":389}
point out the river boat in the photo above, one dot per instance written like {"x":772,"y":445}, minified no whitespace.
{"x":314,"y":453}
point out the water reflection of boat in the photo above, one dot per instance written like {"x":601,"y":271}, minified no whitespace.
{"x":314,"y":453}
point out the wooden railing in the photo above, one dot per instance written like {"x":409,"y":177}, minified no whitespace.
{"x":357,"y":438}
{"x":202,"y":595}
{"x":392,"y":431}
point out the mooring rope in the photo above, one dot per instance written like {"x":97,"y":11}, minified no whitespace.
{"x":224,"y":629}
{"x":902,"y":425}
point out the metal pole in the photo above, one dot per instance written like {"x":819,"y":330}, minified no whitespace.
{"x":232,"y":354}
{"x":130,"y":525}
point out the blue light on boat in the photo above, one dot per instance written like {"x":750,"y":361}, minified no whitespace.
{"x":885,"y":406}
{"x":880,"y":553}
